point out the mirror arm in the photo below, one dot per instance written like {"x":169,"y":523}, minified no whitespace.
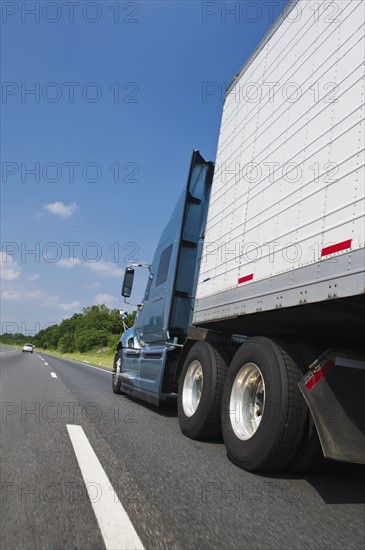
{"x":130,"y":303}
{"x":147,"y":266}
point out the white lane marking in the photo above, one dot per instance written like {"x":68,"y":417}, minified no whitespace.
{"x":53,"y":374}
{"x":46,"y":364}
{"x":115,"y":526}
{"x":84,"y":364}
{"x":89,"y":366}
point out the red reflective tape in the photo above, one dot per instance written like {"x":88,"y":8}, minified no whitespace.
{"x":245,"y":279}
{"x":319,"y":375}
{"x":336,"y":247}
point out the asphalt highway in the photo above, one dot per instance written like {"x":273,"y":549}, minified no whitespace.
{"x":82,"y":468}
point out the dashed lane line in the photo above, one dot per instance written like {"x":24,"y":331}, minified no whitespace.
{"x":109,"y":372}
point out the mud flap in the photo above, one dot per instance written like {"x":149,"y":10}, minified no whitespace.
{"x":334,"y":389}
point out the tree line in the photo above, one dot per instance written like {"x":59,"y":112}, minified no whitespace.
{"x":96,"y":327}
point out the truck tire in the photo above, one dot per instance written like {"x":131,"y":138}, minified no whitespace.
{"x":117,"y":367}
{"x":263,"y":412}
{"x":200,"y":391}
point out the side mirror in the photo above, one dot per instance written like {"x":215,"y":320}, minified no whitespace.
{"x":128,"y":282}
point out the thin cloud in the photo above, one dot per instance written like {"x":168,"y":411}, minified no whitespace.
{"x":107,"y":299}
{"x":9,"y":268}
{"x":69,"y":262}
{"x":109,"y":269}
{"x":23,"y":295}
{"x":53,"y":301}
{"x":70,"y":306}
{"x":49,"y":300}
{"x":33,"y":277}
{"x":10,"y":295}
{"x":92,"y":286}
{"x":61,"y":209}
{"x":106,"y":269}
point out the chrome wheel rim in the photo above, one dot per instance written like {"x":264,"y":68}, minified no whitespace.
{"x":192,"y":388}
{"x":247,"y":401}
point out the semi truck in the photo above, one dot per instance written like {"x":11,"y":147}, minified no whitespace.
{"x":253,"y":313}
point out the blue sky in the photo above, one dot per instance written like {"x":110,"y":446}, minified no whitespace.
{"x":95,"y":157}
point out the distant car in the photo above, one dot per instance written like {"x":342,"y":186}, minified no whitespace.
{"x":28,"y":347}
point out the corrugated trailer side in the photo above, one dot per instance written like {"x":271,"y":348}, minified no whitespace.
{"x":286,"y":217}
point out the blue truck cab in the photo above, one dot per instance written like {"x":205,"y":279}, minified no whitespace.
{"x":149,"y":354}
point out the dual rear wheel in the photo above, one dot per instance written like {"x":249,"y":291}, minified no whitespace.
{"x":256,"y":402}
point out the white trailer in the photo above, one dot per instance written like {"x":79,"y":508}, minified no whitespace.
{"x":286,"y":216}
